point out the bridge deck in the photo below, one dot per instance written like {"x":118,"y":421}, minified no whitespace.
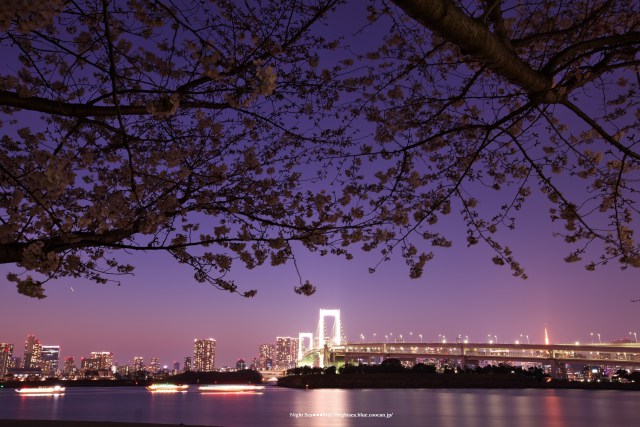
{"x":627,"y":354}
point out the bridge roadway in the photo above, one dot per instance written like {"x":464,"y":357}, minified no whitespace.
{"x":623,"y":355}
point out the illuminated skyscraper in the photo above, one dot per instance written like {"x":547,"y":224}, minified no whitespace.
{"x":138,"y":363}
{"x":6,"y":355}
{"x":187,"y":364}
{"x":266,"y":354}
{"x":31,"y":358}
{"x":204,"y":355}
{"x":69,"y":366}
{"x":103,"y":359}
{"x":286,"y":352}
{"x":49,"y":356}
{"x":154,"y":366}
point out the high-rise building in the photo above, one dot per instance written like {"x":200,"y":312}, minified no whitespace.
{"x":104,"y":359}
{"x":266,"y":353}
{"x":204,"y":355}
{"x":241,"y":365}
{"x":154,"y":366}
{"x":138,"y":363}
{"x":31,"y":357}
{"x":254,"y":364}
{"x":6,"y":357}
{"x":187,"y":364}
{"x":49,"y":356}
{"x":286,"y":352}
{"x":69,"y":368}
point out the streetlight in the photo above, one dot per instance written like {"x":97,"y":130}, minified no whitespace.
{"x":401,"y":340}
{"x":420,"y":337}
{"x":387,"y":337}
{"x":635,"y":337}
{"x":591,"y":337}
{"x":374,"y":337}
{"x":361,"y":337}
{"x":599,"y":340}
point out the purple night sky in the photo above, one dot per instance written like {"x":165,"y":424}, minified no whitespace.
{"x":162,"y":309}
{"x":159,"y":311}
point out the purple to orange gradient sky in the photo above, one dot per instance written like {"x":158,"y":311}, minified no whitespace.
{"x":162,"y":309}
{"x":159,"y":311}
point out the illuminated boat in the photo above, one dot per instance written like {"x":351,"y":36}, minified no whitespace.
{"x":44,"y":390}
{"x":167,"y":388}
{"x":231,"y":388}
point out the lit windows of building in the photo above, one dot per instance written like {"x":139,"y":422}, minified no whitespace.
{"x":138,"y":363}
{"x":254,"y":364}
{"x":6,"y":357}
{"x":31,"y":357}
{"x":241,"y":365}
{"x":154,"y":366}
{"x":266,"y":352}
{"x":49,"y":357}
{"x":187,"y":364}
{"x":104,"y":359}
{"x":69,"y":369}
{"x":286,"y":352}
{"x":204,"y":355}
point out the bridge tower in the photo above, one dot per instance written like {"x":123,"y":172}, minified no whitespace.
{"x":335,"y":336}
{"x":302,"y":348}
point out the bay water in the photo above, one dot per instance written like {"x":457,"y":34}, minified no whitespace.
{"x":335,"y":407}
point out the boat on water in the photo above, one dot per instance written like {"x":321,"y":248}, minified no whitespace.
{"x":43,"y":390}
{"x":231,"y":388}
{"x":167,"y":388}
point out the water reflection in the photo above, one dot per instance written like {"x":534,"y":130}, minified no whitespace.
{"x":333,"y":407}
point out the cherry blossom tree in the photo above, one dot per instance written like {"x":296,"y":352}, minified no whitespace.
{"x":230,"y":132}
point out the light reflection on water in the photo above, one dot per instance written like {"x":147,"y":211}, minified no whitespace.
{"x":335,"y":408}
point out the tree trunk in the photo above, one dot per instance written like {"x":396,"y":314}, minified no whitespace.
{"x":474,"y":38}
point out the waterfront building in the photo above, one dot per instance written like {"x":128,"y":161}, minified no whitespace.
{"x":69,"y":369}
{"x":154,"y":366}
{"x":286,"y":352}
{"x":31,"y":355}
{"x":204,"y":355}
{"x":123,"y":370}
{"x":49,"y":357}
{"x":266,"y":353}
{"x":254,"y":364}
{"x":187,"y":364}
{"x":6,"y":358}
{"x":104,"y":359}
{"x":241,"y":365}
{"x":138,"y":363}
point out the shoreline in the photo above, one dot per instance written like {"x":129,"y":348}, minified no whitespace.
{"x":442,"y":381}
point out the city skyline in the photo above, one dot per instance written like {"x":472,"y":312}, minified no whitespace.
{"x":282,"y":348}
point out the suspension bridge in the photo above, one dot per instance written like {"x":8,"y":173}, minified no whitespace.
{"x":328,"y":347}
